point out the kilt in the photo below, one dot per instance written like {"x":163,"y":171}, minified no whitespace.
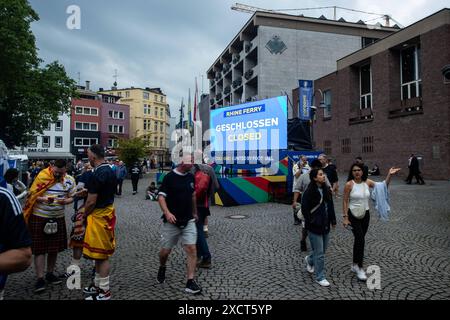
{"x":42,"y":243}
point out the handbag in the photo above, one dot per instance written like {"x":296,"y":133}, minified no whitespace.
{"x":298,"y":211}
{"x":51,"y":227}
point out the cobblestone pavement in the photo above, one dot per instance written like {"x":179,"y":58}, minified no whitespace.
{"x":259,"y":257}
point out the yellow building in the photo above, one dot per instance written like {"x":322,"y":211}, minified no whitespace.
{"x":148,"y":116}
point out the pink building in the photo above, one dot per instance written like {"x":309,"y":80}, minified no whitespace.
{"x":115,"y":123}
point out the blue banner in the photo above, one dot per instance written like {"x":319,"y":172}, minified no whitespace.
{"x":305,"y":89}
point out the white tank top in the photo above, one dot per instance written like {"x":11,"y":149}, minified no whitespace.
{"x":359,"y":197}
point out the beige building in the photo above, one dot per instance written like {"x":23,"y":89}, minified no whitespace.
{"x":148,"y":116}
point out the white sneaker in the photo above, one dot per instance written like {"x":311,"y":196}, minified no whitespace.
{"x":309,"y":268}
{"x":323,"y":283}
{"x":360,"y":274}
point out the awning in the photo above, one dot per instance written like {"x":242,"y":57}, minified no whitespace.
{"x":49,"y":155}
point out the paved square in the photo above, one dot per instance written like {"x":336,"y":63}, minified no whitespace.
{"x":259,"y":257}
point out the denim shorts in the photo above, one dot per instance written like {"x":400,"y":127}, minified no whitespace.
{"x":170,"y":234}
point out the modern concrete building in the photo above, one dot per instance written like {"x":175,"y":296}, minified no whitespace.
{"x":148,"y":116}
{"x":391,"y":99}
{"x":273,"y":51}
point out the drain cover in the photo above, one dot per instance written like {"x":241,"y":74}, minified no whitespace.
{"x":237,"y":216}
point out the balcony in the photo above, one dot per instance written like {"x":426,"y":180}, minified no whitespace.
{"x":248,"y":74}
{"x":236,"y":58}
{"x":237,"y":83}
{"x":218,"y":75}
{"x":361,"y":115}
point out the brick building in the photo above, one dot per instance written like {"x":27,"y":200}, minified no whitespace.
{"x":389,"y":100}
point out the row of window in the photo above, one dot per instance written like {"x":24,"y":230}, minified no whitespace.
{"x":46,"y":142}
{"x":149,"y":141}
{"x":84,"y":142}
{"x":87,"y":111}
{"x":145,"y":96}
{"x":346,"y":145}
{"x":116,"y":114}
{"x":58,"y":126}
{"x":90,"y":126}
{"x":410,"y":80}
{"x":147,"y":111}
{"x":147,"y":125}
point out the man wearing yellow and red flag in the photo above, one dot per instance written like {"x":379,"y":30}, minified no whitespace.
{"x":44,"y":213}
{"x":99,"y":213}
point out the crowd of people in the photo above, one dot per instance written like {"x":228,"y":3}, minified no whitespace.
{"x":37,"y":233}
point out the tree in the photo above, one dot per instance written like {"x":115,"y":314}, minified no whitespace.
{"x":131,"y":150}
{"x":31,"y":96}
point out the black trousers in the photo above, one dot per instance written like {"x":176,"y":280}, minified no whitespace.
{"x":134,"y":182}
{"x":119,"y":187}
{"x":359,"y":229}
{"x":417,"y":175}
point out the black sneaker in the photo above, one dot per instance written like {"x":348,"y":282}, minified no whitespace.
{"x":92,"y":289}
{"x":40,"y":285}
{"x":52,"y":279}
{"x":161,"y":274}
{"x":192,"y":287}
{"x":303,"y":247}
{"x":206,"y":264}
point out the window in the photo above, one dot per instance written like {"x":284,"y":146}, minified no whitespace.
{"x":365,"y":84}
{"x":146,"y":109}
{"x":112,"y":143}
{"x":58,"y":125}
{"x":110,"y":113}
{"x":411,"y":83}
{"x":119,"y":94}
{"x":145,"y":125}
{"x":116,"y":114}
{"x":121,"y":115}
{"x":161,"y":113}
{"x":156,"y":98}
{"x":327,"y":147}
{"x":346,"y":145}
{"x":162,"y":99}
{"x":33,"y":142}
{"x":156,"y":142}
{"x":161,"y":142}
{"x":161,"y":127}
{"x":146,"y":95}
{"x":58,"y":142}
{"x":115,"y":128}
{"x":85,"y":142}
{"x":156,"y":126}
{"x":48,"y":127}
{"x":45,"y":142}
{"x":367,"y":41}
{"x":327,"y":110}
{"x":127,"y":94}
{"x":86,"y":126}
{"x":156,"y":112}
{"x":367,"y":144}
{"x":86,"y":111}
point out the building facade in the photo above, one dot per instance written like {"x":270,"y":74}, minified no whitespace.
{"x":273,"y":51}
{"x":114,"y":123}
{"x":148,"y":116}
{"x":391,"y":99}
{"x":54,"y":143}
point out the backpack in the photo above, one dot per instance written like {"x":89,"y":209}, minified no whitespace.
{"x":202,"y":181}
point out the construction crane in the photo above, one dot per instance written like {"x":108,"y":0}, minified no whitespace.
{"x":251,"y":9}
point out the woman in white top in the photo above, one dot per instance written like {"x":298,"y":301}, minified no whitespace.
{"x":356,"y":211}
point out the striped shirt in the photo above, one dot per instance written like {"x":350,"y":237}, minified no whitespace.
{"x":60,"y":190}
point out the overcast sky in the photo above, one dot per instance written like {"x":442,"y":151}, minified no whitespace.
{"x":167,"y":43}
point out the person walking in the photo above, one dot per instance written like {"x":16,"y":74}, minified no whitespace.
{"x":356,"y":211}
{"x":135,"y":173}
{"x":178,"y":204}
{"x":298,"y":169}
{"x":44,"y":212}
{"x":318,"y":211}
{"x":100,"y":216}
{"x":205,"y":186}
{"x":331,"y":172}
{"x":121,"y":173}
{"x":414,"y":170}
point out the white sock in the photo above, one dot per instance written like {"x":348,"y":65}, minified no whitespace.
{"x":97,"y":280}
{"x":104,"y":283}
{"x":1,"y":294}
{"x":205,"y":227}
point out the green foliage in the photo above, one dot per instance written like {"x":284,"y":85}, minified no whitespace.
{"x":131,"y":150}
{"x":31,"y":96}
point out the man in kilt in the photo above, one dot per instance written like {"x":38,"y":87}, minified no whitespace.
{"x":51,"y":191}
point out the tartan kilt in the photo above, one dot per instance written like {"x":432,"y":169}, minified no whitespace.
{"x":42,"y":243}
